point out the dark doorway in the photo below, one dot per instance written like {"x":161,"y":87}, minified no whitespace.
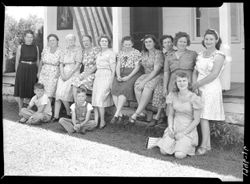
{"x":145,"y":20}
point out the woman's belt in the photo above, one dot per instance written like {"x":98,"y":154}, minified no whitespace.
{"x":51,"y":64}
{"x":28,"y":62}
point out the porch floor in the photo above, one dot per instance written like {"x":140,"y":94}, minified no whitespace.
{"x":237,"y":91}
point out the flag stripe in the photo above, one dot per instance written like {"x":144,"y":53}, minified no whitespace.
{"x":93,"y":21}
{"x":77,"y":26}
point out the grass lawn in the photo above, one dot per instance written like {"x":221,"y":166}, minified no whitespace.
{"x":221,"y":161}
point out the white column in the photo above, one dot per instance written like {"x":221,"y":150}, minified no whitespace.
{"x":116,"y":27}
{"x":45,"y":26}
{"x":225,"y":34}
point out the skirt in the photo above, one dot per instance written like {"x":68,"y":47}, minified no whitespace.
{"x":26,"y":77}
{"x":125,"y":88}
{"x":158,"y":100}
{"x":101,"y":96}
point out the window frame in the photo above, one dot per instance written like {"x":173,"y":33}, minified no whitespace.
{"x":234,"y":39}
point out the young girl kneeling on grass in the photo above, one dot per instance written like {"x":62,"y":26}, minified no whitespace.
{"x":42,"y":102}
{"x":81,"y":111}
{"x":180,"y":137}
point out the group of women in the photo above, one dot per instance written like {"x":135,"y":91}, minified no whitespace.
{"x":169,"y":74}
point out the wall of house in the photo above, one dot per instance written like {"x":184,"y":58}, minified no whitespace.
{"x":180,"y":19}
{"x":51,"y":27}
{"x":174,"y":20}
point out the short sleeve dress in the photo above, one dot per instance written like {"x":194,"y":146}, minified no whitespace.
{"x":211,"y":93}
{"x":185,"y":63}
{"x":128,"y":61}
{"x":50,"y":71}
{"x":148,"y":62}
{"x":69,"y":60}
{"x":89,"y":63}
{"x":26,"y":75}
{"x":183,"y":117}
{"x":158,"y":100}
{"x":105,"y":63}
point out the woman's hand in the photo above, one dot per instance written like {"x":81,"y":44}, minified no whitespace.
{"x":119,"y":78}
{"x":125,"y":78}
{"x":195,"y":86}
{"x":141,"y":85}
{"x":38,"y":75}
{"x":83,"y":76}
{"x":179,"y":135}
{"x":165,"y":92}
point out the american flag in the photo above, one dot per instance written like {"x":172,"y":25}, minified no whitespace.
{"x":93,"y":21}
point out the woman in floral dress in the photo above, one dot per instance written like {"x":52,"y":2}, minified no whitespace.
{"x":49,"y":71}
{"x":69,"y":69}
{"x":86,"y":78}
{"x":208,"y":68}
{"x":127,"y":71}
{"x":152,"y":62}
{"x":159,"y":99}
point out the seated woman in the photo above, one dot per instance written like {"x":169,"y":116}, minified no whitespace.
{"x":126,"y":74}
{"x":69,"y":69}
{"x":180,"y":137}
{"x":86,"y":78}
{"x":152,"y":62}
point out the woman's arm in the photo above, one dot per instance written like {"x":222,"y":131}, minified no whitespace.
{"x":37,"y":59}
{"x":135,"y":70}
{"x":18,"y":55}
{"x":40,"y":64}
{"x":218,"y":63}
{"x":166,"y":76}
{"x":195,"y":122}
{"x":170,"y":117}
{"x":76,"y":67}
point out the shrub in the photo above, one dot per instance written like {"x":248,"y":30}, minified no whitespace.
{"x":225,"y":134}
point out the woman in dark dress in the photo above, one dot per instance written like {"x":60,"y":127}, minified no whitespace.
{"x":27,"y":60}
{"x":127,"y":71}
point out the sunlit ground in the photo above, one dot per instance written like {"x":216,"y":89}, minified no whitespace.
{"x":34,"y":151}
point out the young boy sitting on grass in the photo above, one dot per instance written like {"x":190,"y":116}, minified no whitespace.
{"x":42,"y":102}
{"x":80,"y":119}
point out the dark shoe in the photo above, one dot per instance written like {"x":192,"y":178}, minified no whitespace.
{"x":152,"y":123}
{"x":161,"y":125}
{"x":54,"y":120}
{"x":142,"y":117}
{"x":114,"y":120}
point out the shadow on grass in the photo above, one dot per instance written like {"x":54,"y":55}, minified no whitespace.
{"x":133,"y":139}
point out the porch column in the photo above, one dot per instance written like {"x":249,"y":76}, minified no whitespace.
{"x":45,"y":27}
{"x":225,"y":34}
{"x":116,"y":27}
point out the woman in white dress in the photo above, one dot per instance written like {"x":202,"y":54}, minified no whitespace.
{"x":69,"y":69}
{"x":49,"y":71}
{"x":105,"y":64}
{"x":206,"y":74}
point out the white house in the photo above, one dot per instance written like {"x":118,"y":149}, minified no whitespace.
{"x":138,"y":21}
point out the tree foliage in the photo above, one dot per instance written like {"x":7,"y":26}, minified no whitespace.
{"x":13,"y":34}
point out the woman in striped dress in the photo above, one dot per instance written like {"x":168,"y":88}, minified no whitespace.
{"x":105,"y":63}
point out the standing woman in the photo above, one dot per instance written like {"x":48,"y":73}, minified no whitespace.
{"x":69,"y":68}
{"x":105,"y":63}
{"x":182,"y":59}
{"x":48,"y":70}
{"x":208,"y":68}
{"x":158,"y":96}
{"x":86,"y":78}
{"x":128,"y":65}
{"x":27,"y":61}
{"x":152,"y":62}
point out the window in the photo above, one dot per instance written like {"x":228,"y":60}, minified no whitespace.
{"x":209,"y":18}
